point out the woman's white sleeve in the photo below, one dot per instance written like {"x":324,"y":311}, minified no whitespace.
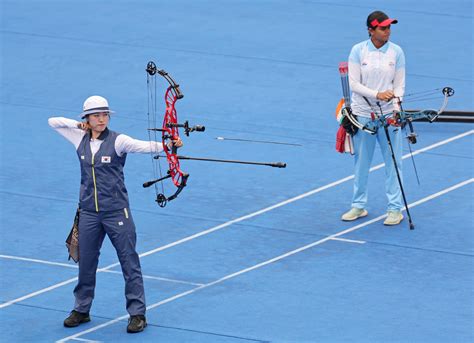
{"x":125,"y":144}
{"x":356,"y":85}
{"x":68,"y":129}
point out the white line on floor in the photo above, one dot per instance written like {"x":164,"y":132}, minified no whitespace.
{"x":18,"y":258}
{"x":348,"y":240}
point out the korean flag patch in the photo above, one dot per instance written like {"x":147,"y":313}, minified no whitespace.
{"x":105,"y":159}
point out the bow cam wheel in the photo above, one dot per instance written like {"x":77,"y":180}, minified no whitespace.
{"x":151,"y":68}
{"x":448,"y":91}
{"x":161,"y":200}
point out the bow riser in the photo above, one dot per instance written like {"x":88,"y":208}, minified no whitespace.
{"x":402,"y":117}
{"x":169,"y":133}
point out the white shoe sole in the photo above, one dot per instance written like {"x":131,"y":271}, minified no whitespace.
{"x":363,"y":214}
{"x":393,"y":223}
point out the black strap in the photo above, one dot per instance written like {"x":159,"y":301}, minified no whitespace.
{"x":370,"y":105}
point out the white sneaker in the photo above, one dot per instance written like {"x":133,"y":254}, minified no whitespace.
{"x":393,"y":218}
{"x":353,"y":214}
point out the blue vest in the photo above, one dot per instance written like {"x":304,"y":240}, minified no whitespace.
{"x":102,"y":180}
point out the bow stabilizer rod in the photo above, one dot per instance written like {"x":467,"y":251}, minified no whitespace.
{"x":269,"y":164}
{"x":151,"y":183}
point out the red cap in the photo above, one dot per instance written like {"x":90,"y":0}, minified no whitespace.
{"x":384,"y":23}
{"x":378,"y":18}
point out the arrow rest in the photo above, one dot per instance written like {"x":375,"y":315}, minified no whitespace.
{"x":187,"y":128}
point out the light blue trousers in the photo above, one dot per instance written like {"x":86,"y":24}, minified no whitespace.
{"x":364,"y":147}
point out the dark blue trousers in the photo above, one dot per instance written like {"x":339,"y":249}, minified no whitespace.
{"x":119,"y":226}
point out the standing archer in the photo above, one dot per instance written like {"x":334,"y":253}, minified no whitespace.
{"x":104,"y":207}
{"x":376,"y":77}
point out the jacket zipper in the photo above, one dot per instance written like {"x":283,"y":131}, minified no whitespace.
{"x":95,"y":186}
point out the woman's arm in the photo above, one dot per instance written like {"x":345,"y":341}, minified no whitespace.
{"x":399,"y":78}
{"x":354,"y":82}
{"x":125,"y":144}
{"x":68,"y":128}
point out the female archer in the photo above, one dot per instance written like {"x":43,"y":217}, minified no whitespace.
{"x":376,"y":78}
{"x":104,"y":207}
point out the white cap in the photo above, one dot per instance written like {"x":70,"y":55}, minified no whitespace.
{"x":95,"y":104}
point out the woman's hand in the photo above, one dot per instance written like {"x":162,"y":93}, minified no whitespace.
{"x":178,"y":143}
{"x":83,"y":126}
{"x":385,"y":95}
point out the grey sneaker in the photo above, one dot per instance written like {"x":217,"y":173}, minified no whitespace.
{"x":393,"y":218}
{"x":353,"y":214}
{"x":76,"y":318}
{"x":136,"y":324}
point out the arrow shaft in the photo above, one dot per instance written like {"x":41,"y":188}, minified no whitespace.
{"x":255,"y":141}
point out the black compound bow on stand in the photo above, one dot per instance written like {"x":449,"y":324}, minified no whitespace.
{"x":170,"y":133}
{"x":398,"y":119}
